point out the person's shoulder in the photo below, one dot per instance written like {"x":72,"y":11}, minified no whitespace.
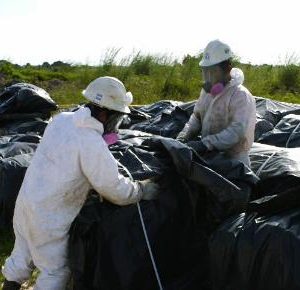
{"x":242,"y":97}
{"x":242,"y":93}
{"x":61,"y":117}
{"x":243,"y":90}
{"x":203,"y":98}
{"x":90,"y":142}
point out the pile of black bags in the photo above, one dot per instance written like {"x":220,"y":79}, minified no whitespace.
{"x":107,"y":244}
{"x":24,"y":113}
{"x":216,"y":224}
{"x":260,"y":249}
{"x":195,"y":224}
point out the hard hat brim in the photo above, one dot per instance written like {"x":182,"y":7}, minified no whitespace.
{"x":122,"y":108}
{"x":205,"y":63}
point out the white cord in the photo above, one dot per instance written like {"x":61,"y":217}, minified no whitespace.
{"x":149,"y":247}
{"x":145,"y":233}
{"x":264,"y":164}
{"x":290,"y":137}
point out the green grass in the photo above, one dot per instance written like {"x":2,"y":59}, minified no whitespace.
{"x":151,"y":78}
{"x":6,"y":245}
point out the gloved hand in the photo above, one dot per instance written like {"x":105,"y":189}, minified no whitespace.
{"x":148,"y":189}
{"x":182,"y":137}
{"x":191,"y":129}
{"x":198,"y":146}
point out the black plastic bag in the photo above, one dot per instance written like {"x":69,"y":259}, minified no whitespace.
{"x":169,"y":123}
{"x":279,"y":173}
{"x":262,"y":253}
{"x":107,"y":244}
{"x":285,"y":134}
{"x":269,"y":113}
{"x":12,"y":171}
{"x":25,"y":98}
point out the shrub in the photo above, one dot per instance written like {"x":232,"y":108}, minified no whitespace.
{"x":142,"y":65}
{"x":289,"y":77}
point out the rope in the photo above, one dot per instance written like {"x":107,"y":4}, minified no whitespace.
{"x":290,"y":137}
{"x":149,"y":247}
{"x":264,"y":164}
{"x":145,"y":234}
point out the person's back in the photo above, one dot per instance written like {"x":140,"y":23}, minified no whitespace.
{"x":54,"y":180}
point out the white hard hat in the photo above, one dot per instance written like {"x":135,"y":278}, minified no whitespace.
{"x":109,"y":93}
{"x":215,"y":52}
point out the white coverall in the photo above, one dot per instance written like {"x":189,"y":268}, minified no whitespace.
{"x":71,"y":159}
{"x":226,"y":121}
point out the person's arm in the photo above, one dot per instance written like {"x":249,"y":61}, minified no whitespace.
{"x":241,"y":110}
{"x":193,"y":127}
{"x":101,"y":169}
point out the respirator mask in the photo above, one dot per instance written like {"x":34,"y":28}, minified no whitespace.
{"x":111,"y":127}
{"x":214,"y":79}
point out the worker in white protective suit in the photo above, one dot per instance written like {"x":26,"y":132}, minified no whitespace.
{"x":225,"y":113}
{"x":72,"y":158}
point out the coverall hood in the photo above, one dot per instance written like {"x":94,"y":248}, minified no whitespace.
{"x":83,"y":119}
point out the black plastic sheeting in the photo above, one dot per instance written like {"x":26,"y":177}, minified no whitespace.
{"x":260,"y":249}
{"x":269,"y":113}
{"x":15,"y":157}
{"x":164,"y":118}
{"x":196,"y":221}
{"x":107,"y":245}
{"x":279,"y":173}
{"x":25,"y":98}
{"x":257,"y":252}
{"x":285,"y":134}
{"x":24,"y":113}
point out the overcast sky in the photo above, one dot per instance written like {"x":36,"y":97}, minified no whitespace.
{"x":258,"y":31}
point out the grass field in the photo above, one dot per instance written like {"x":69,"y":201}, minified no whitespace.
{"x":6,"y":242}
{"x":149,"y":78}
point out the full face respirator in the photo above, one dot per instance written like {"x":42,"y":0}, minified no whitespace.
{"x":214,"y":80}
